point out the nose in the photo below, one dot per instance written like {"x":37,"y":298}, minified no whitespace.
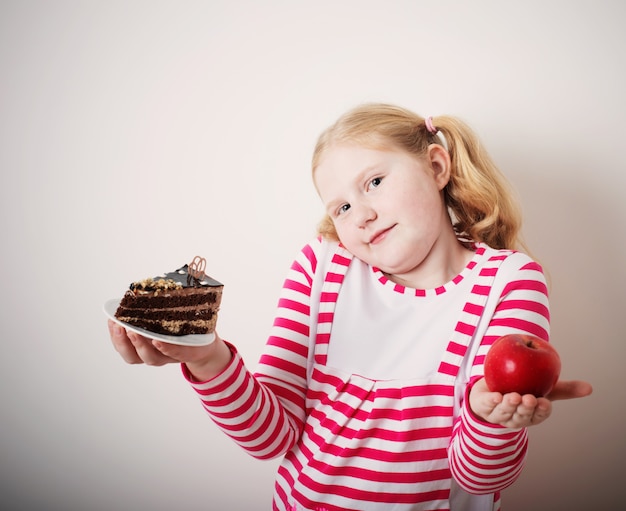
{"x":364,"y":214}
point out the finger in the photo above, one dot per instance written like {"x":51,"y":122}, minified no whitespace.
{"x":525,"y":412}
{"x":184,"y":354}
{"x":171,"y":352}
{"x":505,"y":411}
{"x":571,"y":389}
{"x":514,"y":411}
{"x":511,"y":402}
{"x":146,"y":351}
{"x":482,"y":402}
{"x":542,"y":411}
{"x":122,"y":343}
{"x":529,"y":402}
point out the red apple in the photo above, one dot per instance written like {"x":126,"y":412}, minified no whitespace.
{"x":522,"y":363}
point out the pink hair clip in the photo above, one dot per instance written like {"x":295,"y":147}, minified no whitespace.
{"x":429,"y":125}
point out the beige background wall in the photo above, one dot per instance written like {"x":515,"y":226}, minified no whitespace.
{"x":135,"y":135}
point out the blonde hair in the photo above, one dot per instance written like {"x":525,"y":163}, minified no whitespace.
{"x":480,"y":201}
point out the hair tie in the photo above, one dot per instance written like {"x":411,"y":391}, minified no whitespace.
{"x":429,"y":125}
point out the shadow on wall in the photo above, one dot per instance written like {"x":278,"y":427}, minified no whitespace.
{"x":577,"y":458}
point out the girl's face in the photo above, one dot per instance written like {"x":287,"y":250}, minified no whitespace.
{"x":388,"y":209}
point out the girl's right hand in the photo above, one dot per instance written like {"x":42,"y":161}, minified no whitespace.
{"x":203,"y":362}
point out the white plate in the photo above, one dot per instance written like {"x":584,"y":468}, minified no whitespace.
{"x":110,"y":306}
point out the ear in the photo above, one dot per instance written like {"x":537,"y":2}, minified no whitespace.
{"x":439,"y":160}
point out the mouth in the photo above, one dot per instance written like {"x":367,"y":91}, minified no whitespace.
{"x":380,"y":235}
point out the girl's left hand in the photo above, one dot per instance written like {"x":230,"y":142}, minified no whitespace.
{"x":516,"y":411}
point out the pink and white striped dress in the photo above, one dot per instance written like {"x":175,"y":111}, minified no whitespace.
{"x":363,"y":383}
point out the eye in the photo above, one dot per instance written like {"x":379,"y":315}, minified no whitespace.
{"x":374,"y":183}
{"x":342,"y":209}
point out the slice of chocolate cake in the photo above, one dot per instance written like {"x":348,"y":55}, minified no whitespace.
{"x":182,"y":302}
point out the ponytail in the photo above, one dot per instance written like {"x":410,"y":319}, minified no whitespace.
{"x":480,"y":200}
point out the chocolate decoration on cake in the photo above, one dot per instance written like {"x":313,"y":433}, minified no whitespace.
{"x":196,"y":268}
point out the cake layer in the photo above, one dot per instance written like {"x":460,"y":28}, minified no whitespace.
{"x":185,"y":298}
{"x":175,"y":313}
{"x":181,"y":327}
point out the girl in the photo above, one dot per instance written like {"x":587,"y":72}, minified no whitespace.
{"x":371,"y":382}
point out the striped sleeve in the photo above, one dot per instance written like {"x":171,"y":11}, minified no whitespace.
{"x":264,"y":412}
{"x":486,"y":458}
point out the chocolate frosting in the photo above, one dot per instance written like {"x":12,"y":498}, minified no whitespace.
{"x":179,"y":278}
{"x":183,"y":277}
